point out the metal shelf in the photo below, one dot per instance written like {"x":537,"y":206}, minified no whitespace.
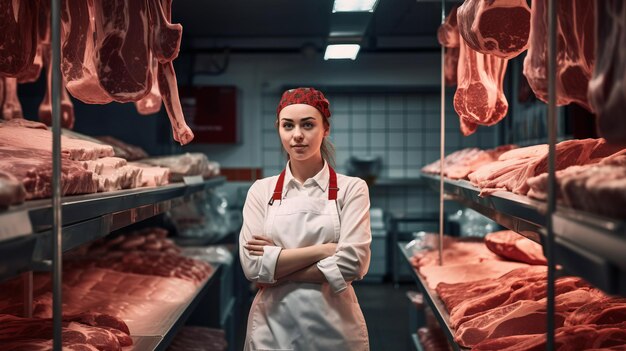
{"x":85,"y":218}
{"x":431,"y":297}
{"x":587,"y":245}
{"x":393,"y":182}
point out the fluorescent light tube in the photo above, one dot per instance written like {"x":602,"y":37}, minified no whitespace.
{"x":354,"y":5}
{"x":341,"y":51}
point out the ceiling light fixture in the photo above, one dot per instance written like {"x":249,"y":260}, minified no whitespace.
{"x":341,"y":51}
{"x":354,"y":5}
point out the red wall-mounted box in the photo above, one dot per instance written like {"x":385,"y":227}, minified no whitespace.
{"x":211,"y":112}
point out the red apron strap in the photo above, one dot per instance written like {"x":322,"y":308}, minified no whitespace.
{"x":278,"y":191}
{"x":332,"y":184}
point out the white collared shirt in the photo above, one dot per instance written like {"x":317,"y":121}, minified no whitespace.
{"x":352,"y":256}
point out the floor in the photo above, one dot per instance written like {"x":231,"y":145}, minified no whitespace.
{"x":386,"y":310}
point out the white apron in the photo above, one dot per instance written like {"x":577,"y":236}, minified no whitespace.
{"x":305,"y":316}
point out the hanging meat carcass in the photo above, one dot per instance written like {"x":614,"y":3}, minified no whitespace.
{"x":479,"y":98}
{"x":607,"y":88}
{"x":448,"y":36}
{"x":495,"y":27}
{"x":18,"y":36}
{"x":575,"y":50}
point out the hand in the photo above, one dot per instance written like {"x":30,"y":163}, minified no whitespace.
{"x":255,"y":246}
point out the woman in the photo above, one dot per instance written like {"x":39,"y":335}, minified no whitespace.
{"x":305,"y":237}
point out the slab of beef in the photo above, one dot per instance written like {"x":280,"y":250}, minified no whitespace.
{"x":152,"y":175}
{"x":14,"y":328}
{"x":457,"y":252}
{"x":511,"y":291}
{"x":199,"y":339}
{"x":11,"y":106}
{"x":509,"y":244}
{"x":18,"y":36}
{"x":43,"y":345}
{"x":575,"y":50}
{"x":151,"y":103}
{"x":148,"y":239}
{"x":597,"y":188}
{"x":513,"y":169}
{"x":123,"y":149}
{"x":12,"y":191}
{"x":580,"y":337}
{"x":459,"y":164}
{"x":496,"y":27}
{"x":33,"y":168}
{"x":448,"y":36}
{"x":607,"y":87}
{"x":114,"y":173}
{"x":610,"y":310}
{"x":45,"y":108}
{"x":454,"y":294}
{"x":479,"y":98}
{"x":32,"y":135}
{"x":521,"y":317}
{"x":187,"y":164}
{"x":459,"y":273}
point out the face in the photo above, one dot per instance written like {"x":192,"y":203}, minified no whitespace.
{"x":301,"y":129}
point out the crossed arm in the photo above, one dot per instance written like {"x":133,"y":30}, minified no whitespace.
{"x":294,"y":265}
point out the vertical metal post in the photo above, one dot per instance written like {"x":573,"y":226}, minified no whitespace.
{"x":552,"y":8}
{"x":55,"y":66}
{"x":442,"y":137}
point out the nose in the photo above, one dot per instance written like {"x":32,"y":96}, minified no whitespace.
{"x":297,"y":133}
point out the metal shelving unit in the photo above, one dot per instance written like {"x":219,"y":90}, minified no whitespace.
{"x":431,"y":297}
{"x":85,"y":218}
{"x":587,"y":245}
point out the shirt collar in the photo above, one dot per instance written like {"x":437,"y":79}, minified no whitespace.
{"x":321,"y":178}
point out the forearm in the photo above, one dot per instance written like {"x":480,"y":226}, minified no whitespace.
{"x":293,"y":260}
{"x":310,"y":274}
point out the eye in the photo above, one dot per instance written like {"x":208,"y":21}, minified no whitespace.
{"x":308,"y":125}
{"x":287,"y":125}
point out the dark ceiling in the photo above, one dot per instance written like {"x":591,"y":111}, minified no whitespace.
{"x":270,"y":24}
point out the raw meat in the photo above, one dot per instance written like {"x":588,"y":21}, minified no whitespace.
{"x":432,"y":340}
{"x":509,"y":244}
{"x":12,"y":191}
{"x":18,"y":36}
{"x":36,"y":136}
{"x":583,"y":337}
{"x":521,"y":317}
{"x":459,"y":164}
{"x":188,"y":164}
{"x":479,"y":98}
{"x":151,"y":103}
{"x":607,"y":87}
{"x":448,"y":36}
{"x":45,"y":108}
{"x":113,"y":173}
{"x":33,"y":168}
{"x":166,"y":37}
{"x":454,"y":294}
{"x":456,"y":253}
{"x":510,"y":291}
{"x":124,"y":150}
{"x":43,"y":345}
{"x":575,"y":50}
{"x":122,"y":51}
{"x":610,"y":310}
{"x":496,"y":27}
{"x":11,"y":107}
{"x":152,"y":175}
{"x":460,"y":273}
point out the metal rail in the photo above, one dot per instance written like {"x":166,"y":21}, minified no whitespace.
{"x":442,"y":132}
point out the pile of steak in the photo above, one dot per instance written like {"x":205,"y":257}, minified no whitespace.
{"x":118,"y":50}
{"x":607,"y":87}
{"x":498,"y":27}
{"x":513,"y":168}
{"x":575,"y":50}
{"x":87,"y":331}
{"x":459,"y":164}
{"x":187,"y":164}
{"x":124,"y":150}
{"x":597,"y":188}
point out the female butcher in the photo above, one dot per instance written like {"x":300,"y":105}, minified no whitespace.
{"x":305,"y":237}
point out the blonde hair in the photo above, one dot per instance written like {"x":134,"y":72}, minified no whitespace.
{"x":327,"y":148}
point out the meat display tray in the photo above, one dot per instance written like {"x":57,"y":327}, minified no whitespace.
{"x":587,"y":245}
{"x":431,"y":297}
{"x":85,"y":218}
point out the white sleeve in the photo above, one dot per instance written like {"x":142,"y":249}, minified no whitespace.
{"x":256,"y":268}
{"x":352,"y":258}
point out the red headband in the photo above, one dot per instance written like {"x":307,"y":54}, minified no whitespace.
{"x":307,"y":96}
